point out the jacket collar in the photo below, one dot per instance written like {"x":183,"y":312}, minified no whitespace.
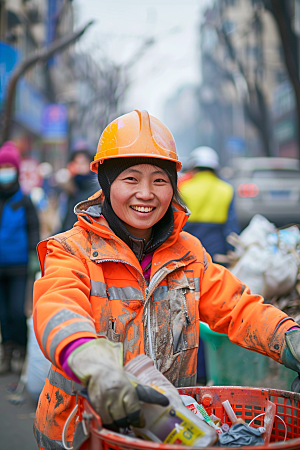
{"x":89,"y":217}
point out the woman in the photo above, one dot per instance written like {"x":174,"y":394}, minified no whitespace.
{"x":19,"y":235}
{"x":126,"y":273}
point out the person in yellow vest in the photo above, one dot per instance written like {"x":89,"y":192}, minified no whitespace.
{"x":210,"y":201}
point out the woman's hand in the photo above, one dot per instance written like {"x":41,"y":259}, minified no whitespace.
{"x":99,"y":366}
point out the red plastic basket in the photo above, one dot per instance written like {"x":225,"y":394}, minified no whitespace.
{"x":247,"y":403}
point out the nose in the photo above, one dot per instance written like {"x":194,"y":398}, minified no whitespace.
{"x":145,"y":191}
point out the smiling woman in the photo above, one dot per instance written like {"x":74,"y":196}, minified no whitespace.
{"x":140,"y":197}
{"x":126,"y":280}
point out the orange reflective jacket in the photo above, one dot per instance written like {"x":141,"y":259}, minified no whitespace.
{"x":92,"y":284}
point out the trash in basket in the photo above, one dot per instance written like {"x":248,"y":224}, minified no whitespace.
{"x":248,"y":403}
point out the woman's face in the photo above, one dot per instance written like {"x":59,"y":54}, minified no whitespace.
{"x":140,"y":197}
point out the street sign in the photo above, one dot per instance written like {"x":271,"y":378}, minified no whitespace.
{"x":55,"y":123}
{"x":236,"y":145}
{"x":9,"y":57}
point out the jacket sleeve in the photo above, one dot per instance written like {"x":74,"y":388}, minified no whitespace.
{"x":62,"y":311}
{"x":228,"y":307}
{"x":33,"y":226}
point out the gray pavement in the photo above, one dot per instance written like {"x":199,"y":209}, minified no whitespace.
{"x":16,"y":421}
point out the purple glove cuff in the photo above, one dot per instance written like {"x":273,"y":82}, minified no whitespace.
{"x":66,"y":352}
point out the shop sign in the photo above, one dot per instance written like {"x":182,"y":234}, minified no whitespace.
{"x":29,"y":107}
{"x":55,"y":123}
{"x":9,"y":57}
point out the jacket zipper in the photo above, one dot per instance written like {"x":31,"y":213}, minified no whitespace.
{"x":148,"y":293}
{"x":157,"y":278}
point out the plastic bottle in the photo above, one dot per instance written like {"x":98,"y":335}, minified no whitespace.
{"x":200,"y":412}
{"x":191,"y":404}
{"x":174,"y":424}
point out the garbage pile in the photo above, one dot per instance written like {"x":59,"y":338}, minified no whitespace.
{"x":267,"y":259}
{"x":236,"y":434}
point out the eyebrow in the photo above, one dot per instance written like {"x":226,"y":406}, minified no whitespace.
{"x":160,"y":171}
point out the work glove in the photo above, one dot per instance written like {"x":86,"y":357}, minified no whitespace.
{"x":99,"y":366}
{"x":296,"y":384}
{"x":291,"y":355}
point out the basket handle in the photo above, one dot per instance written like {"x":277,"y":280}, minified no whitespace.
{"x":296,"y":384}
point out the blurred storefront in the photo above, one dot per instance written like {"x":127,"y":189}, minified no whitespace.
{"x":55,"y":135}
{"x":284,"y":120}
{"x":39,"y":124}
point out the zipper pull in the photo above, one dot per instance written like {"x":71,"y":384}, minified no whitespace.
{"x":187,"y":319}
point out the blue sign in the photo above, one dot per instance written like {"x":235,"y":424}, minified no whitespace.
{"x":55,"y":122}
{"x":30,"y":105}
{"x":9,"y":57}
{"x":236,"y":145}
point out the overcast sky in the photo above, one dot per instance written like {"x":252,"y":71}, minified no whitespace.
{"x":120,"y":28}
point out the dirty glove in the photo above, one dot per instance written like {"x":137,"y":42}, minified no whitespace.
{"x":291,"y":352}
{"x":296,"y":384}
{"x":99,"y":366}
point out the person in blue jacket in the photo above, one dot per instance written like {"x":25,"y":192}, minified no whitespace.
{"x":211,"y":202}
{"x":19,"y":235}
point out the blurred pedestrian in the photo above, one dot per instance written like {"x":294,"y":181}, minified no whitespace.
{"x":80,"y":184}
{"x":211,"y":202}
{"x":19,"y":235}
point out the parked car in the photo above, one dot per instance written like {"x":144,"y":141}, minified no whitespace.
{"x":267,"y":186}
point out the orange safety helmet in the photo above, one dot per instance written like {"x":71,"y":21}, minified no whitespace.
{"x":136,"y":134}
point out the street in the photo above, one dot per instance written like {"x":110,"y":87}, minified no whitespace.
{"x":16,"y":421}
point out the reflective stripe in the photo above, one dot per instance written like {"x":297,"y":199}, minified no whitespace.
{"x":197,"y":284}
{"x":67,"y":331}
{"x":47,"y":443}
{"x":58,"y":380}
{"x":188,"y":381}
{"x":62,"y":316}
{"x":98,"y":289}
{"x":125,"y":293}
{"x":160,"y":293}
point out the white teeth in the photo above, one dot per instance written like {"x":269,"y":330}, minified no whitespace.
{"x":144,"y":209}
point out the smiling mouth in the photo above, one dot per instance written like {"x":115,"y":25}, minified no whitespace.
{"x":143,"y":209}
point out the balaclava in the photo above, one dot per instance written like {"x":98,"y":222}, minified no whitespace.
{"x":108,"y":171}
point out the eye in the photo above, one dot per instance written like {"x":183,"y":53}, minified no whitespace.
{"x":130,"y":179}
{"x":160,"y":180}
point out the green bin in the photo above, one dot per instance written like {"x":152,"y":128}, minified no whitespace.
{"x":227,"y":364}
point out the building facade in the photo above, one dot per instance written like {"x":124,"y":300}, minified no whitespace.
{"x":244,"y":80}
{"x":25,"y":27}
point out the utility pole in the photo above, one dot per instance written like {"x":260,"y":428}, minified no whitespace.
{"x":41,"y":55}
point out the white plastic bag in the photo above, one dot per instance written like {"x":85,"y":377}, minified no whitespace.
{"x":280,"y":275}
{"x":250,"y":268}
{"x":37,"y":365}
{"x":268,"y":258}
